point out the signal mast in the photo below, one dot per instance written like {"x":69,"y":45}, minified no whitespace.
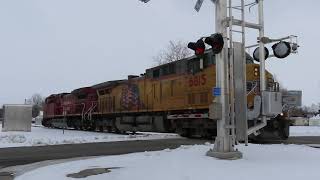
{"x":230,"y":94}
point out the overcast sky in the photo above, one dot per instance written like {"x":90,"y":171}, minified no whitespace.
{"x":58,"y":45}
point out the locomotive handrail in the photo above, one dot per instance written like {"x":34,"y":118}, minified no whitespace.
{"x":252,"y":90}
{"x":89,"y":111}
{"x":82,"y":114}
{"x":94,"y":104}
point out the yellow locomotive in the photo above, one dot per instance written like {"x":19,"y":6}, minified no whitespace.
{"x":173,"y":97}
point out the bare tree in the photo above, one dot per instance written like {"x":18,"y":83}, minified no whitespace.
{"x":37,"y":102}
{"x":173,"y":52}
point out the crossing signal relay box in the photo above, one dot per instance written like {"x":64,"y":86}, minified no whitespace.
{"x":272,"y":103}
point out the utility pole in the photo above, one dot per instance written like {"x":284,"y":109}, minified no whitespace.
{"x":223,"y":147}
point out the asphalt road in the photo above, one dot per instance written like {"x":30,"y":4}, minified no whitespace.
{"x":27,"y":155}
{"x":296,"y":140}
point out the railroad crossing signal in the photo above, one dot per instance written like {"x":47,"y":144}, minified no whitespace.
{"x":225,"y":140}
{"x":256,"y":54}
{"x":216,"y":42}
{"x":281,"y":49}
{"x":199,"y":47}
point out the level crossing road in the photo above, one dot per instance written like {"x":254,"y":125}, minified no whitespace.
{"x":307,"y":140}
{"x":27,"y":155}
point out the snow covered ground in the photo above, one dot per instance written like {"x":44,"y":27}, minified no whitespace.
{"x":44,"y":136}
{"x":305,"y":131}
{"x":263,"y":162}
{"x":40,"y":136}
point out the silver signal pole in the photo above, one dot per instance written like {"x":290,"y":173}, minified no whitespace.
{"x":223,"y":147}
{"x":261,"y":49}
{"x":262,"y":69}
{"x":262,"y":59}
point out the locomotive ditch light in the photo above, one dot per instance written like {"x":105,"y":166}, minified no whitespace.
{"x":256,"y":71}
{"x":256,"y":54}
{"x":199,"y":47}
{"x":216,"y":42}
{"x":282,"y":49}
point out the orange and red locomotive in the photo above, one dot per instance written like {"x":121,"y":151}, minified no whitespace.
{"x":172,"y":97}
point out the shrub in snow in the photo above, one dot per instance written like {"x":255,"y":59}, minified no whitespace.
{"x":17,"y":139}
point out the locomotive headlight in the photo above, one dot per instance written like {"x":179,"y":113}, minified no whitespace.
{"x":256,"y":71}
{"x":282,"y":49}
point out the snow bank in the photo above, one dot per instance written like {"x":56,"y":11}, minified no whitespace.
{"x":44,"y":136}
{"x":304,"y":131}
{"x":40,"y":136}
{"x":263,"y":162}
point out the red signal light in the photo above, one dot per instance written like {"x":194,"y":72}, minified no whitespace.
{"x":199,"y":47}
{"x":216,"y":42}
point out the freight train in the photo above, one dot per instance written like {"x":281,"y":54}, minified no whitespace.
{"x":173,"y":97}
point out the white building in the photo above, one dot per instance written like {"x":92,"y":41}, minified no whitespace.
{"x":17,"y":117}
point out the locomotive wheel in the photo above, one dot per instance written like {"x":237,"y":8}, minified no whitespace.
{"x":100,"y":128}
{"x":93,"y":127}
{"x":184,"y":132}
{"x":109,"y":129}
